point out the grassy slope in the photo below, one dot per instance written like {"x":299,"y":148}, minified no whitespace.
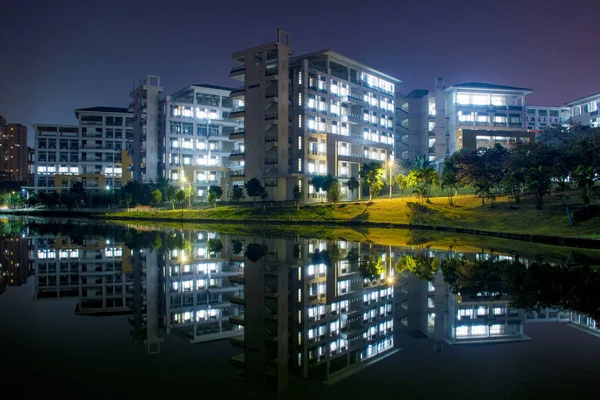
{"x":466,"y":212}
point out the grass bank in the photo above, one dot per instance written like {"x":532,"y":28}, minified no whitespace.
{"x":465,"y":214}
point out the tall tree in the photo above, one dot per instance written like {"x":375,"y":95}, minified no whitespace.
{"x":156,"y":196}
{"x":372,"y":176}
{"x":333,"y":192}
{"x":214,"y":192}
{"x":297,"y":193}
{"x":254,"y":189}
{"x":237,"y":193}
{"x":352,"y":184}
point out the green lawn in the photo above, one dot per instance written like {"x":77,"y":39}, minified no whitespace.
{"x":466,"y":212}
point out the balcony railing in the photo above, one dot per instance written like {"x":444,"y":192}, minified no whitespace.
{"x":270,"y":139}
{"x":238,"y":68}
{"x":271,"y":162}
{"x":269,"y":116}
{"x":238,"y":152}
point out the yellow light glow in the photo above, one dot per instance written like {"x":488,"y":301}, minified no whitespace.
{"x":390,"y":279}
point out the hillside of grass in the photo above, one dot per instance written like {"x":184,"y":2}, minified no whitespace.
{"x":466,"y":213}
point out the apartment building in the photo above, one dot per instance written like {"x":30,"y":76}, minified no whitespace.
{"x":13,"y":152}
{"x":334,"y":318}
{"x":585,"y":110}
{"x":481,"y":115}
{"x":316,"y":114}
{"x":538,"y":118}
{"x":94,"y":152}
{"x":195,"y":128}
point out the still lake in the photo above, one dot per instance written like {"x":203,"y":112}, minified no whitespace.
{"x":106,"y":310}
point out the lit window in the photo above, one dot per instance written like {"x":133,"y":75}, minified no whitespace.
{"x":299,"y":121}
{"x":299,"y":295}
{"x":299,"y":99}
{"x":299,"y":142}
{"x":299,"y":165}
{"x":299,"y":77}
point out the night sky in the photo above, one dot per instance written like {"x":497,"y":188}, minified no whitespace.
{"x":67,"y":54}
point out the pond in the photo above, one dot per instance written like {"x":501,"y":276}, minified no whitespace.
{"x":113,"y":310}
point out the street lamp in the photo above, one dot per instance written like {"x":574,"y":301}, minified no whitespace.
{"x":390,"y":164}
{"x":183,"y":180}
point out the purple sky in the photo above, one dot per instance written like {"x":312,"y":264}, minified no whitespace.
{"x":65,"y":54}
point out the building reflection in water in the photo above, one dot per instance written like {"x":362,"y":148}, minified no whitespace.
{"x":309,"y":311}
{"x":15,"y":265}
{"x":307,"y":308}
{"x":95,"y":270}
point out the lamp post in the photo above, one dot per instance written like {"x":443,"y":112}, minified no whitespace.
{"x":183,"y":180}
{"x":390,"y":163}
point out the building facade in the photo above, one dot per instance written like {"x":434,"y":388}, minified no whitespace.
{"x":538,"y":118}
{"x":481,"y":115}
{"x":585,"y":110}
{"x":316,"y":114}
{"x":13,"y":152}
{"x":195,"y":130}
{"x":421,"y":123}
{"x":145,"y":109}
{"x":95,"y":152}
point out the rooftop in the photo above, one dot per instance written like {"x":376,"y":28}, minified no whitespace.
{"x":331,"y":53}
{"x":488,"y":86}
{"x":206,"y":85}
{"x":104,"y":109}
{"x":582,"y":99}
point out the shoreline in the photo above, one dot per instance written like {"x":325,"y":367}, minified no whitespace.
{"x":569,"y":241}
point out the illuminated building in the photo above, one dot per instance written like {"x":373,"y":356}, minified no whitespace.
{"x":95,"y":152}
{"x":585,"y":110}
{"x":13,"y":152}
{"x":195,"y":131}
{"x":315,"y":114}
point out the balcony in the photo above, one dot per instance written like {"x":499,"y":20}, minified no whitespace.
{"x":237,"y":174}
{"x":270,"y":139}
{"x":271,"y":116}
{"x":238,"y":93}
{"x":431,"y":133}
{"x":355,"y":118}
{"x":237,"y":113}
{"x":271,"y":162}
{"x":238,"y":72}
{"x":237,"y":155}
{"x":237,"y":135}
{"x":356,"y":99}
{"x":431,"y":150}
{"x":402,"y":126}
{"x":271,"y":98}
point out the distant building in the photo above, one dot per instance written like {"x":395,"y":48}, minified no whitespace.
{"x":421,"y":123}
{"x":95,"y":152}
{"x":315,"y":114}
{"x":481,"y":115}
{"x":585,"y":110}
{"x":13,"y":152}
{"x":538,"y":118}
{"x":472,"y":115}
{"x":146,"y":112}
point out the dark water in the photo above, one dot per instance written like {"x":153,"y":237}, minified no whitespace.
{"x":107,"y":311}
